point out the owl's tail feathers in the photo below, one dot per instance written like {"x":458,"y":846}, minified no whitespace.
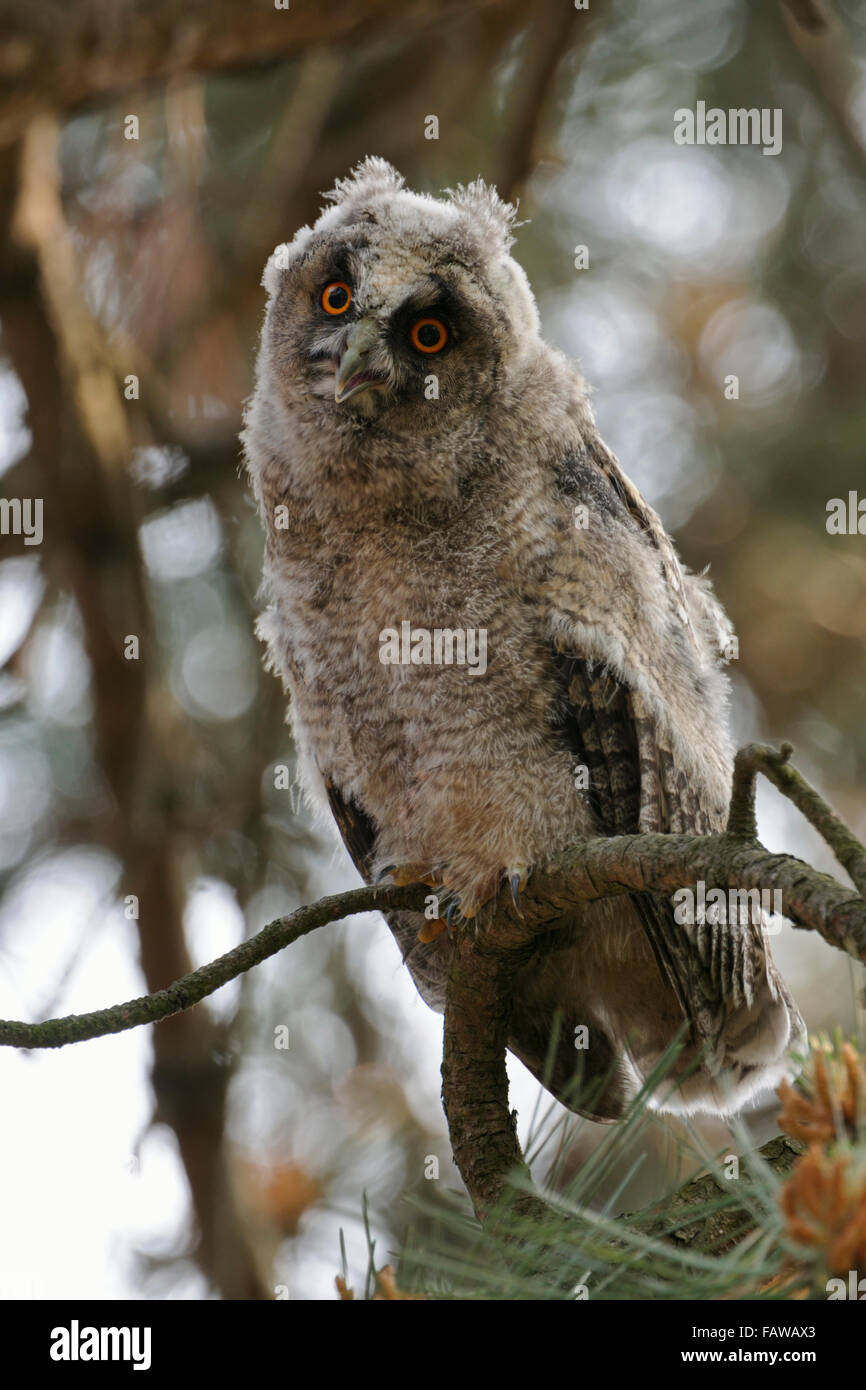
{"x":756,"y":1047}
{"x":705,"y":1026}
{"x":597,"y":1062}
{"x":746,"y":1030}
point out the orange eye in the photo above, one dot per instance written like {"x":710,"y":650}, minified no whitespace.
{"x":336,"y":297}
{"x":429,"y":335}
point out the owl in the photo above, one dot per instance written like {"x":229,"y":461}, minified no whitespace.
{"x":490,"y":647}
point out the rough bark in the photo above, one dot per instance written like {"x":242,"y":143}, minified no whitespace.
{"x":474,"y":1082}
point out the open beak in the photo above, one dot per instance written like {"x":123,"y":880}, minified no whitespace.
{"x":353,"y":372}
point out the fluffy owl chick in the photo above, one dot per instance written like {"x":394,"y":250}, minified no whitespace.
{"x":490,"y":646}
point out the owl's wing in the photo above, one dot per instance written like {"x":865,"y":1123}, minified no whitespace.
{"x":607,"y":466}
{"x":428,"y":963}
{"x":357,"y":831}
{"x":636,"y":785}
{"x":721,"y":974}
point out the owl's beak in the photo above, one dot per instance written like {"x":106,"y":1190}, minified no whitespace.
{"x":353,"y":373}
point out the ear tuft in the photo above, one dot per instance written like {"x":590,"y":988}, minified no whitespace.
{"x":481,"y":202}
{"x":371,"y":177}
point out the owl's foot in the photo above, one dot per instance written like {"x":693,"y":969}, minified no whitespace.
{"x":455,"y":908}
{"x":517,"y":877}
{"x":463,"y":908}
{"x":403,"y":875}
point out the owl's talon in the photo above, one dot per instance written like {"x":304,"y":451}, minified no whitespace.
{"x":431,"y":930}
{"x":383,"y":874}
{"x":515,"y":892}
{"x":518,"y":877}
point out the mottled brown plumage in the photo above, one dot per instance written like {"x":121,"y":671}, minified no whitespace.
{"x":465,"y":487}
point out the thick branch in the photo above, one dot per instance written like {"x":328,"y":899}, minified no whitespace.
{"x":728,"y":1224}
{"x":664,"y":863}
{"x":485,"y":961}
{"x":474,"y":1082}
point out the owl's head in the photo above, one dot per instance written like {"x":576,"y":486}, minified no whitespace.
{"x":394,"y":310}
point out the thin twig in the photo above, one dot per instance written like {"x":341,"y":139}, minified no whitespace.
{"x":757,"y":757}
{"x":192,"y":988}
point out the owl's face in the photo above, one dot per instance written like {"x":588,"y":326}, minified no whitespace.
{"x":395,"y":311}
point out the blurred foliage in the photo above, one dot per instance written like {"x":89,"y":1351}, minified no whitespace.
{"x":155,"y":778}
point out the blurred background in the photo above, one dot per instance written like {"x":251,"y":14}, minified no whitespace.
{"x":151,"y":156}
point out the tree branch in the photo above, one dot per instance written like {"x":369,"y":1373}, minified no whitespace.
{"x":192,"y":988}
{"x":728,"y":1224}
{"x":757,"y":757}
{"x":593,"y":869}
{"x":474,"y":1081}
{"x":486,"y":959}
{"x":549,"y":38}
{"x":829,"y":67}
